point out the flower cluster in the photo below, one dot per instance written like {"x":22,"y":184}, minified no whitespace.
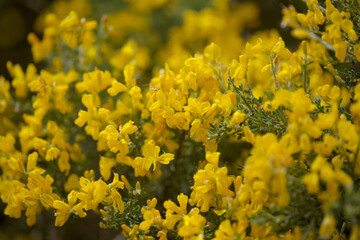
{"x":253,"y":140}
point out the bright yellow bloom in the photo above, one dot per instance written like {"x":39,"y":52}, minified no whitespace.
{"x":237,"y":117}
{"x":175,"y":213}
{"x":151,"y":216}
{"x":64,"y":210}
{"x":105,"y":165}
{"x":151,"y":157}
{"x":212,"y":52}
{"x":228,"y":231}
{"x":311,"y":181}
{"x":32,"y":158}
{"x":92,"y":193}
{"x":210,"y":183}
{"x":52,"y":153}
{"x":327,"y":227}
{"x":114,"y":197}
{"x":192,"y":225}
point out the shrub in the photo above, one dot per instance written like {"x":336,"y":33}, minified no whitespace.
{"x":200,"y":134}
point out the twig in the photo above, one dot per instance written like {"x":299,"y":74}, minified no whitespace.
{"x":274,"y":73}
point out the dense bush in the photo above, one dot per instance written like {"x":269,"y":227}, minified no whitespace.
{"x":187,"y":131}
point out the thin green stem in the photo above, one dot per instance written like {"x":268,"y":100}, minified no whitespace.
{"x":220,"y":78}
{"x":248,"y":86}
{"x":304,"y":72}
{"x":342,"y":230}
{"x":274,"y":72}
{"x":241,"y":95}
{"x":317,"y":38}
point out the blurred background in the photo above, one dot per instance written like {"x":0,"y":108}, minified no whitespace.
{"x":17,"y":19}
{"x":20,"y":17}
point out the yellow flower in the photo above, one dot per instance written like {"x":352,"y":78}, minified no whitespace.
{"x":126,"y":129}
{"x":318,"y":15}
{"x":116,"y":88}
{"x":192,"y":225}
{"x":327,"y":120}
{"x":114,"y":197}
{"x":348,"y":134}
{"x":237,"y":117}
{"x":151,"y":216}
{"x":71,"y":183}
{"x":327,"y":146}
{"x":130,"y":233}
{"x":198,"y":131}
{"x":52,"y":153}
{"x":341,"y":49}
{"x":212,"y":52}
{"x":344,"y":179}
{"x":118,"y":141}
{"x":129,"y":71}
{"x":327,"y":227}
{"x":31,"y":163}
{"x":93,"y":128}
{"x":105,"y":165}
{"x":355,"y":232}
{"x":70,"y":21}
{"x":64,"y":210}
{"x":162,"y":234}
{"x":84,"y":116}
{"x":310,"y":128}
{"x":92,"y":193}
{"x":15,"y":164}
{"x":21,"y":79}
{"x":311,"y":180}
{"x":95,"y":82}
{"x":210,"y":183}
{"x":151,"y":157}
{"x":249,"y":136}
{"x":357,"y":51}
{"x":63,"y":162}
{"x":225,"y":231}
{"x":171,"y":208}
